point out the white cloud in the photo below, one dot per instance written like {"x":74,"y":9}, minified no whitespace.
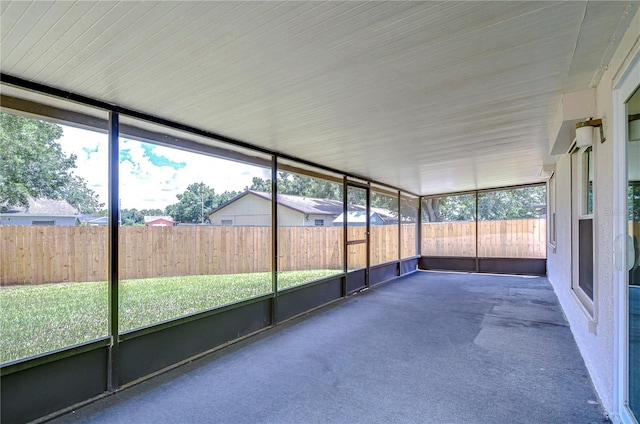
{"x":145,"y":185}
{"x":92,"y":157}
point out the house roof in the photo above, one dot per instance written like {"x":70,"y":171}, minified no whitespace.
{"x":359,"y":217}
{"x":306,"y":205}
{"x":310,"y":205}
{"x":151,"y":218}
{"x":385,"y":214}
{"x":93,"y":219}
{"x":43,"y":206}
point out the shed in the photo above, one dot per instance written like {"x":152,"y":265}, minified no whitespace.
{"x":159,"y":221}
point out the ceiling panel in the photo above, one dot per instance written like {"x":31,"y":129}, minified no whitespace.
{"x":427,"y":96}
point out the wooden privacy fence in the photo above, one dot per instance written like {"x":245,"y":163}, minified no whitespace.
{"x":50,"y":254}
{"x":513,"y":238}
{"x":42,"y":254}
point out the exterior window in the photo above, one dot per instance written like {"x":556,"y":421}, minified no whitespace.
{"x":587,"y":181}
{"x":582,"y":211}
{"x":227,"y":222}
{"x":43,"y":223}
{"x":319,"y":222}
{"x":551,"y":212}
{"x":585,"y":225}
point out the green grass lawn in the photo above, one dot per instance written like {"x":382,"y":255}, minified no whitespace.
{"x":39,"y":319}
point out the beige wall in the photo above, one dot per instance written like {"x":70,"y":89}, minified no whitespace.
{"x":289,"y":218}
{"x":594,"y":335}
{"x":252,"y":210}
{"x":249,"y":210}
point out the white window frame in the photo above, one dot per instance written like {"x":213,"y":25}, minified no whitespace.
{"x":580,"y":212}
{"x":586,"y":166}
{"x":552,"y":232}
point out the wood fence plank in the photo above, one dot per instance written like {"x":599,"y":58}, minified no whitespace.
{"x":215,"y":249}
{"x":204,"y":261}
{"x":8,"y":254}
{"x":201,"y":255}
{"x":122,"y":253}
{"x":104,"y":256}
{"x":32,"y":251}
{"x":21,"y":254}
{"x":50,"y":266}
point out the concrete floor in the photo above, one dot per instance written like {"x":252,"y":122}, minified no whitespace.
{"x":426,"y":348}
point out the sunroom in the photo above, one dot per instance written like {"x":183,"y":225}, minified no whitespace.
{"x":449,"y":134}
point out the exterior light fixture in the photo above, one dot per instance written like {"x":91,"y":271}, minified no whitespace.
{"x":584,"y":132}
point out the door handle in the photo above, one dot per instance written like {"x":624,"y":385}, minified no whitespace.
{"x":625,"y":242}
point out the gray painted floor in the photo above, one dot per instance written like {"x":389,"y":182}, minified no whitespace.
{"x":426,"y":348}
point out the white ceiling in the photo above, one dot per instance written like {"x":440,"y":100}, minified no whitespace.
{"x":431,"y":97}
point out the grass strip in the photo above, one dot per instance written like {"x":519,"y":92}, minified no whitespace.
{"x":39,"y":319}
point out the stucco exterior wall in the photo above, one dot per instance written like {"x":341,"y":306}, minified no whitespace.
{"x":594,"y":336}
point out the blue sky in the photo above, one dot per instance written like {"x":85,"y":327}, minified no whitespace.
{"x":151,"y":176}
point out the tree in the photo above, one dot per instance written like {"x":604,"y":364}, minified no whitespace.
{"x":80,"y":196}
{"x":131,"y":217}
{"x":299,"y":185}
{"x":517,"y":203}
{"x":449,"y":208}
{"x":151,"y":212}
{"x":136,"y":217}
{"x":32,"y":164}
{"x":259,"y":184}
{"x":409,"y":209}
{"x":525,"y":202}
{"x":195,"y":202}
{"x":384,"y":201}
{"x":633,"y":201}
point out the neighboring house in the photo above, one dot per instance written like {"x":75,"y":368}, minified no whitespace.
{"x":40,"y":211}
{"x":253,"y":208}
{"x":359,"y":219}
{"x":388,"y":217}
{"x":540,"y":210}
{"x":93,"y":220}
{"x":159,"y":221}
